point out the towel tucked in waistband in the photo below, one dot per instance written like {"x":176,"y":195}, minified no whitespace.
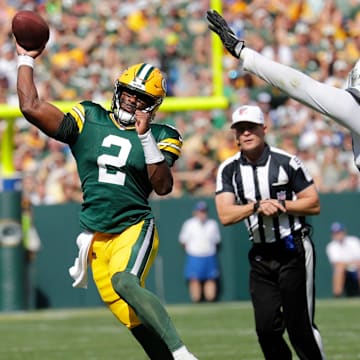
{"x":79,"y":270}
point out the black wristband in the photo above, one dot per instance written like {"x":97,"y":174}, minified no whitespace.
{"x":256,"y":206}
{"x":282,"y":202}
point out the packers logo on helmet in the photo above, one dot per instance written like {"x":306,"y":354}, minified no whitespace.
{"x":146,"y":82}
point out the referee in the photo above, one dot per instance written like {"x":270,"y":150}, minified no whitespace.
{"x":272,"y":192}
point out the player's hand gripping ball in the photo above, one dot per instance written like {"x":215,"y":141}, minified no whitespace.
{"x":31,"y":31}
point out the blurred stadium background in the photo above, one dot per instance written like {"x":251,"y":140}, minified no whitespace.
{"x":90,"y":43}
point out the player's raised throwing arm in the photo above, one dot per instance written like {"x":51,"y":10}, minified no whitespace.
{"x":338,"y":104}
{"x":40,"y":113}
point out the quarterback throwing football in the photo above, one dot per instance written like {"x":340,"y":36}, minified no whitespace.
{"x":121,"y":158}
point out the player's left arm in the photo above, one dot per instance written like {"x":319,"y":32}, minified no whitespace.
{"x":169,"y":143}
{"x":160,"y":177}
{"x":156,"y":144}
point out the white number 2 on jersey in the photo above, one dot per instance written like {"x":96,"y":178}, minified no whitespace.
{"x":124,"y":145}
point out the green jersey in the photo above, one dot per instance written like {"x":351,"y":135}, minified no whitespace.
{"x":112,"y":169}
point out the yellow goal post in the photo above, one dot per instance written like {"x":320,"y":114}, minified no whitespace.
{"x":9,"y":113}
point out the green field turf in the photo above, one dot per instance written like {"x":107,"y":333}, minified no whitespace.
{"x":211,"y":331}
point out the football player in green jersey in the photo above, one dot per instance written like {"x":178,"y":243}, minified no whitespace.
{"x":121,"y":158}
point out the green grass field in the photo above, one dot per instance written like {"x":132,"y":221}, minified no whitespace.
{"x":211,"y":331}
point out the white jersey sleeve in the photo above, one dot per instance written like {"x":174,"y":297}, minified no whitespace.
{"x":338,"y":104}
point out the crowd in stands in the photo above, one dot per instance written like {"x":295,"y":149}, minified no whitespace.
{"x":91,"y":42}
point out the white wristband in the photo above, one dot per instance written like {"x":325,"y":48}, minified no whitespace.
{"x":25,"y":60}
{"x":152,"y":153}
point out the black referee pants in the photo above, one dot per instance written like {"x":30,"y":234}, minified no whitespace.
{"x":282,"y":293}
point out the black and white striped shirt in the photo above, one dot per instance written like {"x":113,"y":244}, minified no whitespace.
{"x":276,"y":175}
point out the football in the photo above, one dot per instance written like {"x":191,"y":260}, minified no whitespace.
{"x":31,"y":31}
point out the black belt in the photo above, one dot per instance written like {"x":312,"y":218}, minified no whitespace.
{"x":301,"y":233}
{"x":287,"y":240}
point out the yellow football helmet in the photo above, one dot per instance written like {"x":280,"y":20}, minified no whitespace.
{"x":146,"y":82}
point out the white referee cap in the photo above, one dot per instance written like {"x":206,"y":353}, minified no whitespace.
{"x":247,"y":113}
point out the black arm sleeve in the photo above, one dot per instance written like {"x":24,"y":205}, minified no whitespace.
{"x":68,"y":130}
